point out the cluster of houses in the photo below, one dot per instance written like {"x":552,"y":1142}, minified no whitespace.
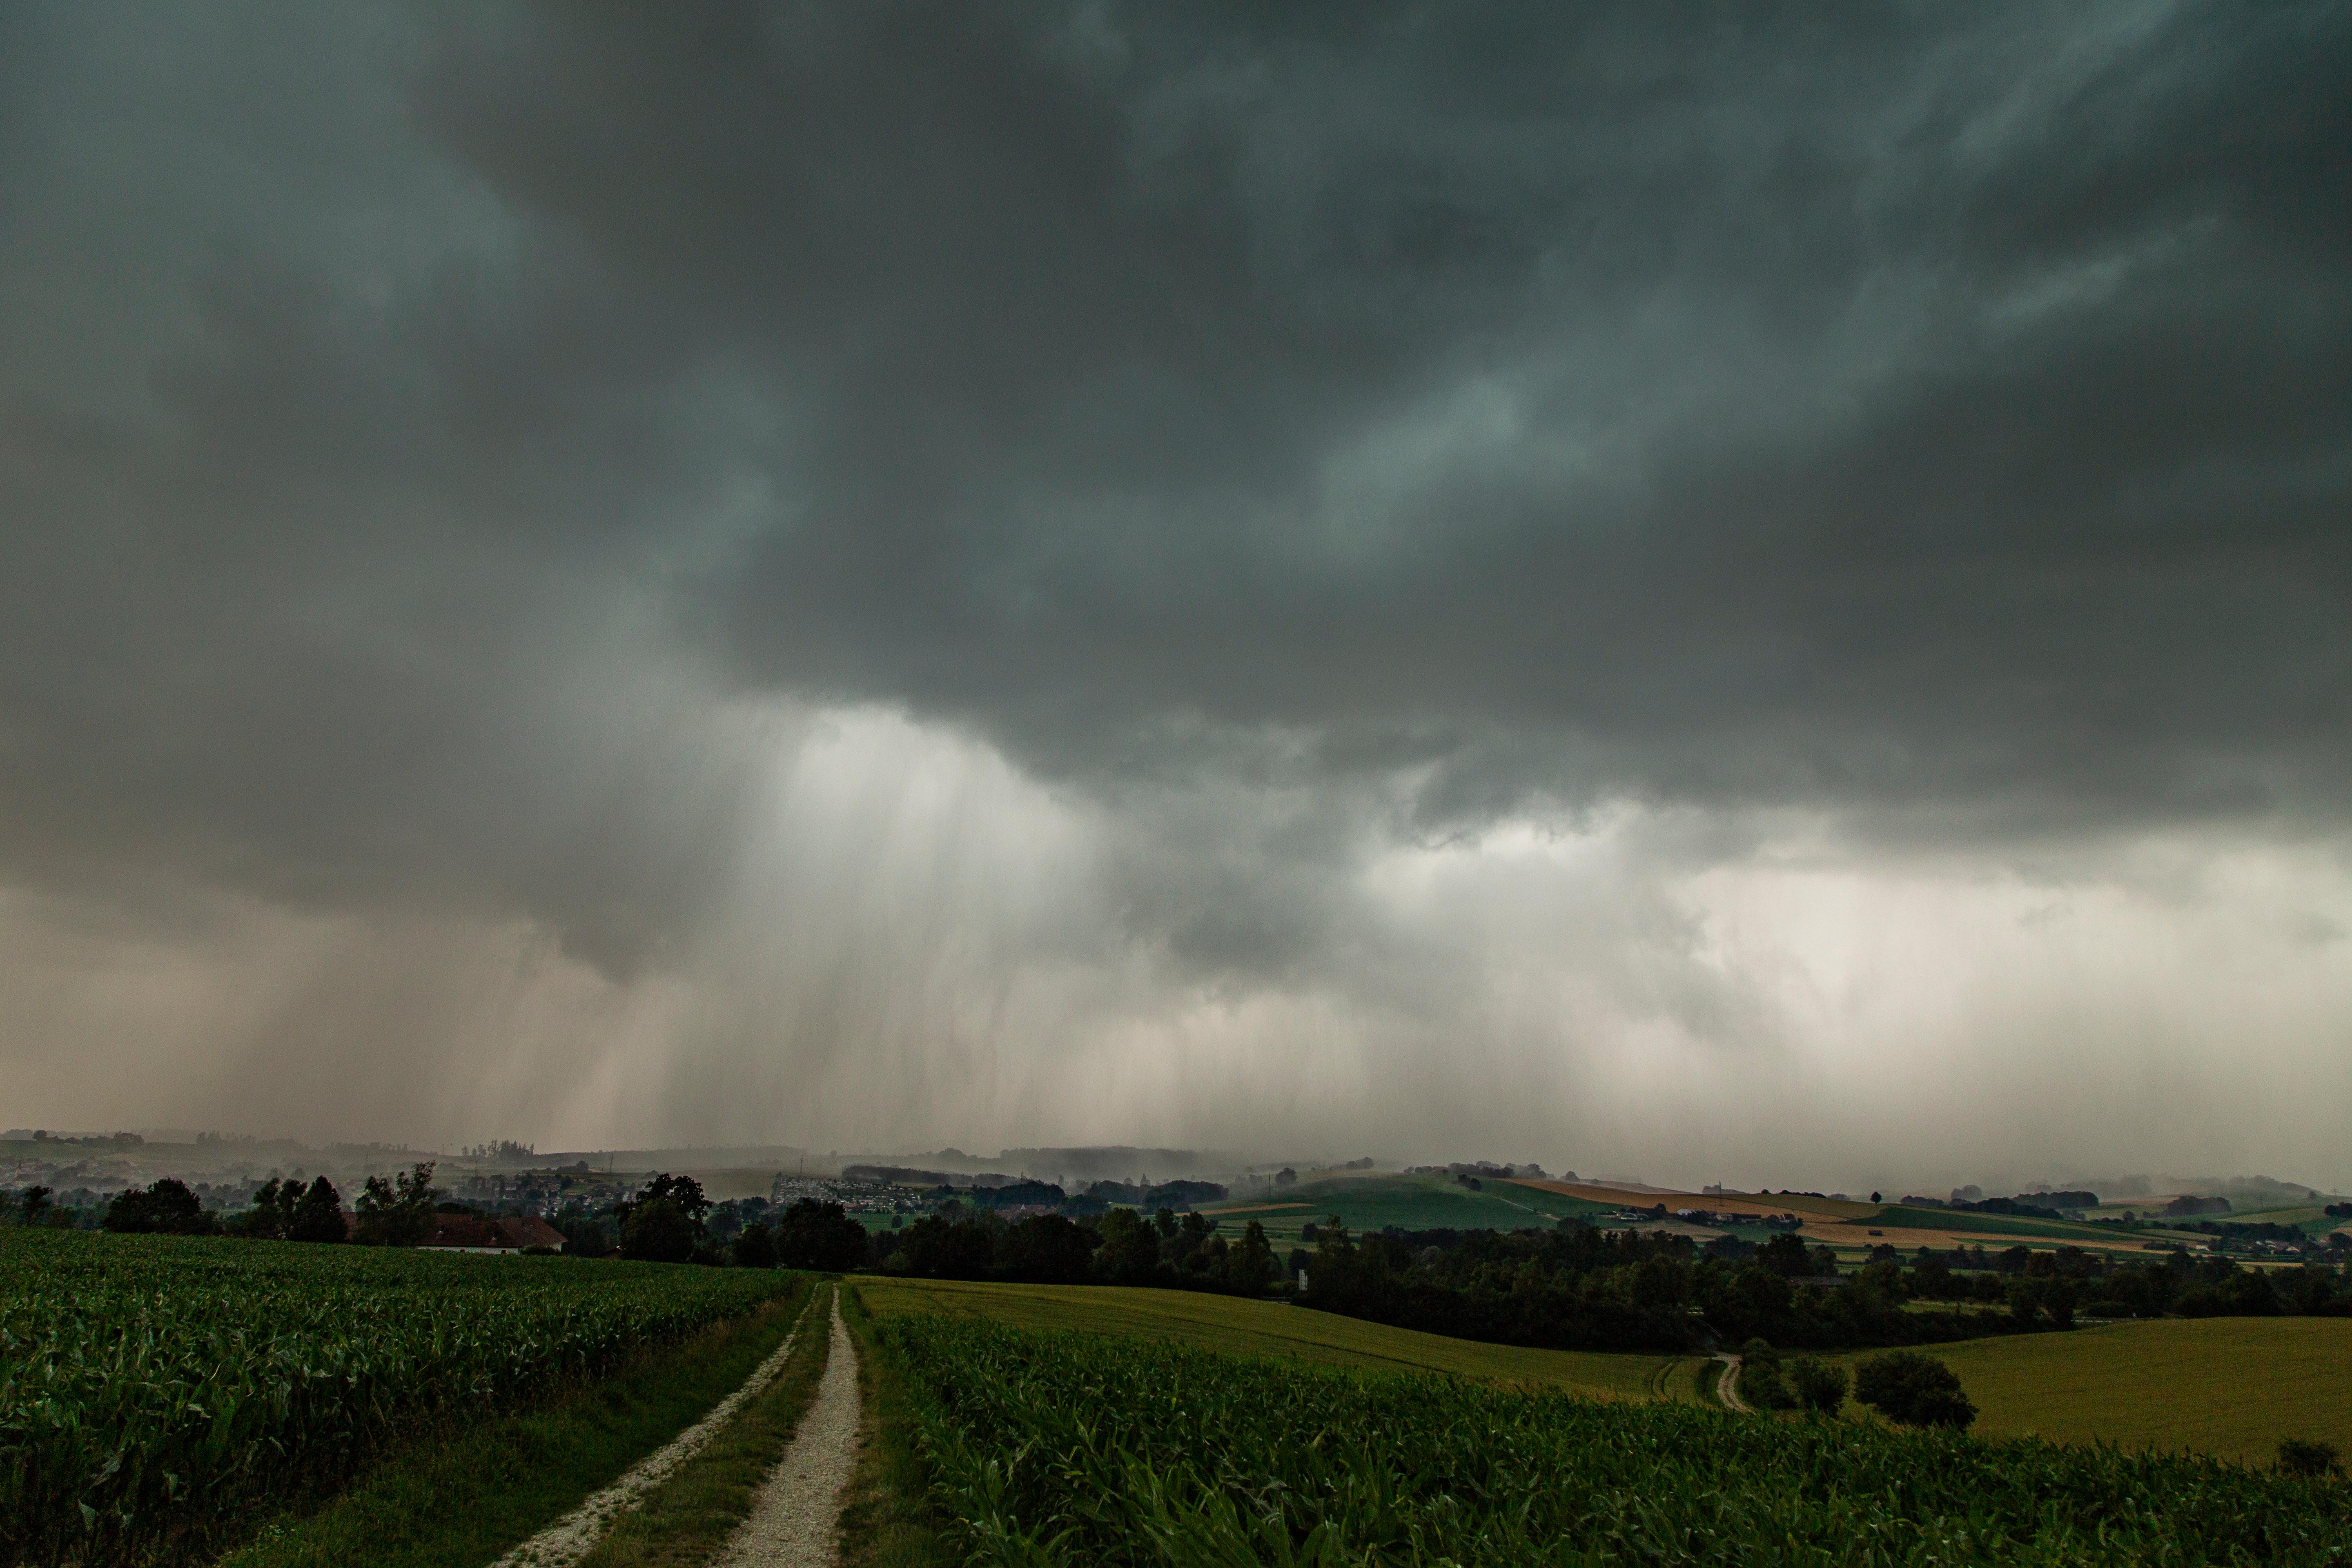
{"x":857,"y":1195}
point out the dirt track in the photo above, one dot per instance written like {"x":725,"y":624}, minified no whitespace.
{"x":572,"y":1537}
{"x":795,"y":1520}
{"x":1727,"y":1388}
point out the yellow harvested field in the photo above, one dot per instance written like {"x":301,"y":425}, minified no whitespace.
{"x":1792,"y":1203}
{"x":1273,"y":1329}
{"x":2231,"y":1387}
{"x":1836,"y":1222}
{"x":1904,"y":1239}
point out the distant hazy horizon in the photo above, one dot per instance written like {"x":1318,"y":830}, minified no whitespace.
{"x":1078,"y":1166}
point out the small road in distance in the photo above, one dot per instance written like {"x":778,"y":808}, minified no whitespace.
{"x":1727,"y":1389}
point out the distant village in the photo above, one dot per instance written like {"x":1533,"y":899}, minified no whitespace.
{"x":508,"y":1196}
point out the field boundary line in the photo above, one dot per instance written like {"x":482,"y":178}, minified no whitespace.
{"x":573,"y":1536}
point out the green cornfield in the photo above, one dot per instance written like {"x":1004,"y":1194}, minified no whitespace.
{"x":1053,"y":1449}
{"x":155,"y":1390}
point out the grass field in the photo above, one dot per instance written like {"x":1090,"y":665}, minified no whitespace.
{"x":1601,"y":1194}
{"x":1989,"y":1225}
{"x":2311,"y":1219}
{"x":2230,"y":1387}
{"x":1271,"y":1328}
{"x":1413,"y":1202}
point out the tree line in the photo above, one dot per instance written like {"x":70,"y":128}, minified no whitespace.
{"x":1576,"y":1288}
{"x":397,"y":1212}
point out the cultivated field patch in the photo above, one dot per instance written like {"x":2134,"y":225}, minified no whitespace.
{"x":2230,"y":1387}
{"x":1234,"y":1325}
{"x":1411,"y":1202}
{"x":154,"y":1390}
{"x":1176,"y":1456}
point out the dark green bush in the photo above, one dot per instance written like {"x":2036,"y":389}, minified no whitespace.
{"x":2298,"y":1457}
{"x":1914,"y":1389}
{"x":756,"y":1248}
{"x":1819,"y":1387}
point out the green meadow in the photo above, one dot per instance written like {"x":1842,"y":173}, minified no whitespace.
{"x":1993,"y":1224}
{"x":2228,"y":1387}
{"x":1239,"y":1327}
{"x":1410,"y":1203}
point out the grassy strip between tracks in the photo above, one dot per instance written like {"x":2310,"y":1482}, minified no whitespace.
{"x":687,"y":1519}
{"x":888,"y":1519}
{"x":469,"y":1492}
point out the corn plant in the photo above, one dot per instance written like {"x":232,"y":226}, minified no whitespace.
{"x":1049,"y":1449}
{"x":154,"y":1389}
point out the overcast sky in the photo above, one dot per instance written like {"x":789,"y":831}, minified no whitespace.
{"x":1740,"y":592}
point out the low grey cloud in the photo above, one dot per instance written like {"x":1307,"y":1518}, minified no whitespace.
{"x":456,"y":464}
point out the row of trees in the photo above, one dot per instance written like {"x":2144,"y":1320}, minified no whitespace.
{"x":1119,"y":1247}
{"x":671,"y":1220}
{"x":1576,"y":1288}
{"x":1904,"y":1387}
{"x":666,"y":1222}
{"x":2070,"y":1280}
{"x":390,"y":1213}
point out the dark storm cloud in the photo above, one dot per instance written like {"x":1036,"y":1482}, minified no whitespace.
{"x":323,"y":543}
{"x":1934,"y":416}
{"x":1915,"y":408}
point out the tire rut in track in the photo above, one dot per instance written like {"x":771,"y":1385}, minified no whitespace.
{"x":573,"y":1537}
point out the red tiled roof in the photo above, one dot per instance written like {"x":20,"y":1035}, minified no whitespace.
{"x":462,"y":1230}
{"x":466,"y":1230}
{"x":533,"y":1231}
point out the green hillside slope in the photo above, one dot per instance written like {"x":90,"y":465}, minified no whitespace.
{"x":1272,"y":1329}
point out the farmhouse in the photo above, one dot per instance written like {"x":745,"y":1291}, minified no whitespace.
{"x":470,"y":1233}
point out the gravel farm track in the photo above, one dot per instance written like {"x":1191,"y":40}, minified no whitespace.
{"x":1727,"y":1388}
{"x":795,"y":1520}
